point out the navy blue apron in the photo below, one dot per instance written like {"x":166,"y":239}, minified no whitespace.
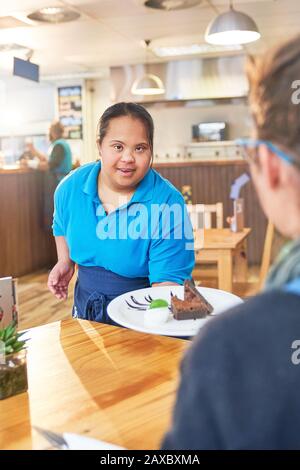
{"x":96,"y":287}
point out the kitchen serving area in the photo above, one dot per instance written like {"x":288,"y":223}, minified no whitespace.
{"x":149,"y":241}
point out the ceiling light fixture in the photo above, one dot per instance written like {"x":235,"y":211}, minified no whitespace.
{"x":51,"y":10}
{"x":14,"y":49}
{"x":170,"y":5}
{"x":232,"y":27}
{"x":54,"y":15}
{"x":148,"y":84}
{"x":193,"y":49}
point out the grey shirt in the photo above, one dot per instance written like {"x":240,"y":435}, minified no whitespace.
{"x":239,"y":387}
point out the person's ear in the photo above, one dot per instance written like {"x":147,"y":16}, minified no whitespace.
{"x":99,"y":147}
{"x":271,"y":166}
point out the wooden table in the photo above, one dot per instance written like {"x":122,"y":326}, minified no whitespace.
{"x":224,"y":247}
{"x":97,"y":380}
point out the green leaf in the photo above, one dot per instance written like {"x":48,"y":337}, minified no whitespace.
{"x":11,"y":341}
{"x":9,"y":332}
{"x":18,"y":344}
{"x":19,"y":348}
{"x":19,"y":335}
{"x":158,"y":303}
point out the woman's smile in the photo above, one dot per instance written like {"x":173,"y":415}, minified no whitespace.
{"x":127,"y":172}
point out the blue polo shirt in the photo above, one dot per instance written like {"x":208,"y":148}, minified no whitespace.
{"x":150,"y":236}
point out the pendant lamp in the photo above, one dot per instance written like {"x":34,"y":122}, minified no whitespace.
{"x":148,"y":84}
{"x":232,"y":27}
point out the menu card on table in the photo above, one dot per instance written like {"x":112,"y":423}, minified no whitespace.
{"x":8,"y":301}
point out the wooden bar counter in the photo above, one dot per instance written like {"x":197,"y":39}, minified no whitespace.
{"x":24,"y":244}
{"x":211,"y":182}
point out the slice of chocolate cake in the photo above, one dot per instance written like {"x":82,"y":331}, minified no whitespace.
{"x":191,"y":293}
{"x":193,"y":306}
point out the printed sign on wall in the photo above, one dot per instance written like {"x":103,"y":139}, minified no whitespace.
{"x":70,"y":111}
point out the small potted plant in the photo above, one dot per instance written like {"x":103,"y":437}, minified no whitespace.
{"x":13,"y":366}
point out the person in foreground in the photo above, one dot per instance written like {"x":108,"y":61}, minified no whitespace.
{"x":124,"y":225}
{"x":241,"y":377}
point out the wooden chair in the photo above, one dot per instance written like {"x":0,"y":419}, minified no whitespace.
{"x":250,"y":289}
{"x":201,"y":216}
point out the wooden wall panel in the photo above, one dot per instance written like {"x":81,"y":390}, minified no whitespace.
{"x":24,"y":245}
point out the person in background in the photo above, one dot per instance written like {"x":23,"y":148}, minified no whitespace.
{"x":104,"y":220}
{"x":56,"y":166}
{"x":59,"y":161}
{"x":240,"y":379}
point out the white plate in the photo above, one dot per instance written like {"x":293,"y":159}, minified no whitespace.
{"x":119,"y":311}
{"x":78,"y":442}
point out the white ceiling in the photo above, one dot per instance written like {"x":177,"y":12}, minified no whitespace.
{"x":109,"y":32}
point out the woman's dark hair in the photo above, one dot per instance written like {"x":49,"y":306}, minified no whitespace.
{"x":133,"y":110}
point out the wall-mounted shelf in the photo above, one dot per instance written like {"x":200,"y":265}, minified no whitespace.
{"x":219,"y":150}
{"x":195,"y":102}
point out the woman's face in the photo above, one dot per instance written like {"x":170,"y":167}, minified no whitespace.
{"x":53,"y":135}
{"x":274,"y":181}
{"x":125,"y":153}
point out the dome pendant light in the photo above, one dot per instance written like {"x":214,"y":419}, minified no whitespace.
{"x":231,"y":28}
{"x":148,"y":84}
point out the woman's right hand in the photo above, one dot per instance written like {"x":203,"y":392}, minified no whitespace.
{"x":60,"y":277}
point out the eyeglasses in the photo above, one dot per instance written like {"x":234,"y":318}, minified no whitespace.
{"x":250,"y":150}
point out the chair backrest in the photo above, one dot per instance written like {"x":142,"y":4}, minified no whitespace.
{"x":267,"y":253}
{"x":201,"y":214}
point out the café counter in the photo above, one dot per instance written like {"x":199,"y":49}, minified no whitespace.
{"x":25,"y":246}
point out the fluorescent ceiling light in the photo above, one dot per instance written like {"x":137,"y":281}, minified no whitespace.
{"x":8,"y":51}
{"x":171,"y":51}
{"x":14,"y":48}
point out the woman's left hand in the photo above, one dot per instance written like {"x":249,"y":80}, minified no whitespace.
{"x":59,"y":278}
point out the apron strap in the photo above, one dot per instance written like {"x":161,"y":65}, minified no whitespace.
{"x":91,"y":307}
{"x":95,"y":309}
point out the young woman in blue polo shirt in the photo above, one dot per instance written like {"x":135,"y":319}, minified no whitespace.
{"x":124,"y":225}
